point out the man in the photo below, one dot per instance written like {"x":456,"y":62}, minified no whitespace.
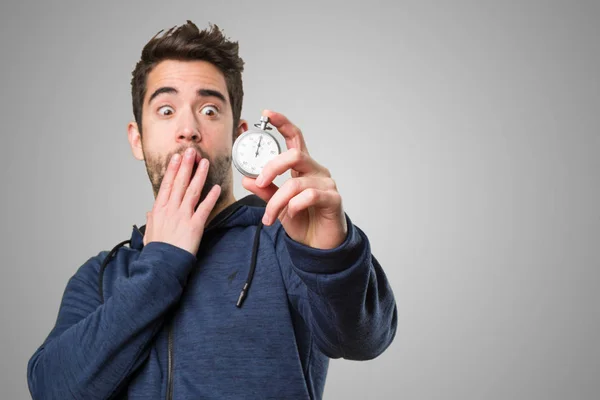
{"x":173,"y":316}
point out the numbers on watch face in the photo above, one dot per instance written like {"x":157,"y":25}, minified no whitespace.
{"x":254,"y":150}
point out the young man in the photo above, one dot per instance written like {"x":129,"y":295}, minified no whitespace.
{"x":216,"y":298}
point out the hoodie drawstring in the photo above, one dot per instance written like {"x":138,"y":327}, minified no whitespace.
{"x":246,"y":287}
{"x":243,"y":293}
{"x":105,"y":263}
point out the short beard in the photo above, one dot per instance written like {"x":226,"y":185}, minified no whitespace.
{"x":218,"y":173}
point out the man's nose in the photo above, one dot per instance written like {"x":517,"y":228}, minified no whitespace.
{"x":189,"y":129}
{"x":188,"y":134}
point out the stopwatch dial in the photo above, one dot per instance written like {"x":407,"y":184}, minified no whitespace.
{"x":255,"y":150}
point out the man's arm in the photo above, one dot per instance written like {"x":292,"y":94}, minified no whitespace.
{"x":343,"y":295}
{"x":332,"y":278}
{"x":95,"y":346}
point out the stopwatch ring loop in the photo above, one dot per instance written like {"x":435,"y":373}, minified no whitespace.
{"x":265,"y":128}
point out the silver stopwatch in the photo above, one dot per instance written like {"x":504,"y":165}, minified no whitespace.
{"x":253,"y":149}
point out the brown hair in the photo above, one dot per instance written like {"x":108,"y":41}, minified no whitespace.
{"x":188,"y":43}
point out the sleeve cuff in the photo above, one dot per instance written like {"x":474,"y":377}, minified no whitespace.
{"x":329,"y":261}
{"x":167,"y":257}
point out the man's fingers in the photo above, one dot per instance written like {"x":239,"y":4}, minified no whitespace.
{"x":294,"y":159}
{"x":182,"y":179}
{"x":290,"y":189}
{"x":194,"y":190}
{"x":320,"y":199}
{"x":167,"y":183}
{"x":207,"y":205}
{"x":294,"y":139}
{"x":264,"y":193}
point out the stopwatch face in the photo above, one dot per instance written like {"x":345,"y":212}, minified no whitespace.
{"x":252,"y":150}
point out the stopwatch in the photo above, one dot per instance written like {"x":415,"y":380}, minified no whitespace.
{"x":253,"y":149}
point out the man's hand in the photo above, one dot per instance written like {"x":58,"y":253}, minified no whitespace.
{"x":308,"y":205}
{"x":173,"y":219}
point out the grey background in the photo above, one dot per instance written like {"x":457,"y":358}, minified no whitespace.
{"x":463,"y":137}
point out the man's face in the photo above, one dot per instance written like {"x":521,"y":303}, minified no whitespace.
{"x":187,"y":105}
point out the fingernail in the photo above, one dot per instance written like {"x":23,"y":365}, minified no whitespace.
{"x":189,"y":152}
{"x":260,"y":180}
{"x":265,"y":219}
{"x":175,"y":158}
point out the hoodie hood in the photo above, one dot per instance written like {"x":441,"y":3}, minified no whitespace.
{"x":247,"y":211}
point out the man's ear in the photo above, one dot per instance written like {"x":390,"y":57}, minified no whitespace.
{"x":135,"y":140}
{"x":241,"y":128}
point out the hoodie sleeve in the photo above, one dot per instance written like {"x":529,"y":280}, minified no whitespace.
{"x":95,"y":346}
{"x":342,"y":294}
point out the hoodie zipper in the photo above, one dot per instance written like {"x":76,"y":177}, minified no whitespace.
{"x":169,"y":349}
{"x":170,"y":356}
{"x":170,"y":366}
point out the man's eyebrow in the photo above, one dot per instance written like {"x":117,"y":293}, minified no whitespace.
{"x":211,"y":93}
{"x":201,"y":93}
{"x":161,"y":90}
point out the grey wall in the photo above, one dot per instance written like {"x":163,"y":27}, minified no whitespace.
{"x":463,"y":137}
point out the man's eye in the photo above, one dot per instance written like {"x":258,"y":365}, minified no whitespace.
{"x":162,"y":110}
{"x":209,"y":110}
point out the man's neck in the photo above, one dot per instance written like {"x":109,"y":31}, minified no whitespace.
{"x":220,"y":206}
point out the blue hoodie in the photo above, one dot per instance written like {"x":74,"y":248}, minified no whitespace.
{"x":254,"y":315}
